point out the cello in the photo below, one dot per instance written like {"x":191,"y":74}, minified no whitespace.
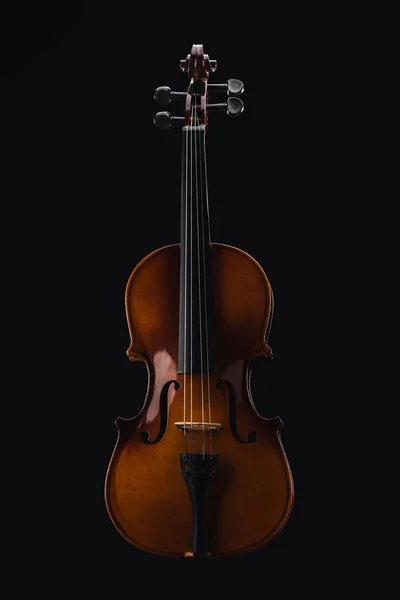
{"x":198,"y":472}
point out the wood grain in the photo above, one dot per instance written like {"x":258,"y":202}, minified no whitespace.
{"x":252,"y":493}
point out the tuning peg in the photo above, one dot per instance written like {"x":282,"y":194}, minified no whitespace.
{"x":164,"y":120}
{"x":164,"y":94}
{"x":233,"y":87}
{"x":233,"y":106}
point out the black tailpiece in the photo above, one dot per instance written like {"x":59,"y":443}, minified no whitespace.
{"x":197,"y":470}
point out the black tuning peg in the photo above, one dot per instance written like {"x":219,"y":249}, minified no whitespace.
{"x":233,"y":106}
{"x":233,"y":87}
{"x":164,"y":94}
{"x":164,"y":120}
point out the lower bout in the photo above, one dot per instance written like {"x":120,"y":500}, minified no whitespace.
{"x":251,"y":511}
{"x":244,"y":509}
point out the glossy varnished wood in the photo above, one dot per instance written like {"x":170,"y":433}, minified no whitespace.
{"x":252,"y":492}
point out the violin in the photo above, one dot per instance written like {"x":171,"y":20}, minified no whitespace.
{"x":198,"y":472}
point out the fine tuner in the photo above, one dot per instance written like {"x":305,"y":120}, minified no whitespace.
{"x":196,"y":103}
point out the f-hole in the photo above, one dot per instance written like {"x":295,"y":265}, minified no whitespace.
{"x":163,"y":414}
{"x":251,"y":436}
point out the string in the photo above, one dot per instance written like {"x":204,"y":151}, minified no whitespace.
{"x":191,"y":139}
{"x":191,"y":276}
{"x":205,"y":288}
{"x":199,"y":286}
{"x":185,"y":239}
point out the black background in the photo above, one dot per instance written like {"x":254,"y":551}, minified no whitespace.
{"x":301,"y":181}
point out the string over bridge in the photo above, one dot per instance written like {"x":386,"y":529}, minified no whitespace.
{"x":197,"y":426}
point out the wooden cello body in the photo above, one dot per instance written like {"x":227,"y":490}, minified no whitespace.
{"x":198,"y":472}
